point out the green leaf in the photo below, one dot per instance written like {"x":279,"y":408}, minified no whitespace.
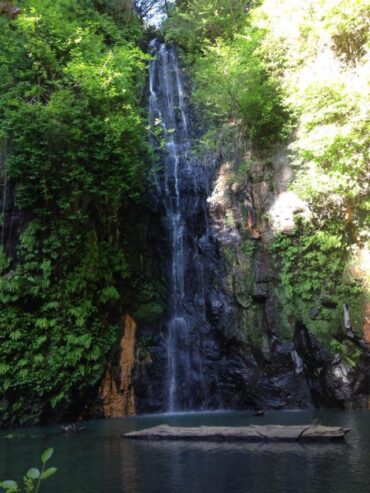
{"x":33,"y":473}
{"x":3,"y":368}
{"x":9,"y":484}
{"x":46,"y":455}
{"x":48,"y":472}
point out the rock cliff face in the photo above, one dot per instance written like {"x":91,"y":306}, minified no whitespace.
{"x":220,"y":344}
{"x":256,"y":361}
{"x":187,"y":361}
{"x":281,"y":368}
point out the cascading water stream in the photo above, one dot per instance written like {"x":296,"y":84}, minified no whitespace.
{"x":184,"y":202}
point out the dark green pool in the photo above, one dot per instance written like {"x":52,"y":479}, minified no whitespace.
{"x":99,"y":460}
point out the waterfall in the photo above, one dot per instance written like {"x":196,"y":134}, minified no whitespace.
{"x":181,"y":186}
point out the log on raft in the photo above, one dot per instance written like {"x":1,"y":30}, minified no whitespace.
{"x":252,"y":433}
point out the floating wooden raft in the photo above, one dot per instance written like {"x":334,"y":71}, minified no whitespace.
{"x":253,"y":433}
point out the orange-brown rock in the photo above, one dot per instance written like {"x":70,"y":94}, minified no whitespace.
{"x":254,"y":233}
{"x":117,"y":389}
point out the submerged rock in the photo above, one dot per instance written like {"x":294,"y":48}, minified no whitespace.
{"x":252,"y":433}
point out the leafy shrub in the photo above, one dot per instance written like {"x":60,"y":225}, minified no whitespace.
{"x":71,"y":83}
{"x":232,"y":84}
{"x":194,"y":23}
{"x":33,"y":478}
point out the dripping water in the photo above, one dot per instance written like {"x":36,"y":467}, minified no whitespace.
{"x":179,"y":188}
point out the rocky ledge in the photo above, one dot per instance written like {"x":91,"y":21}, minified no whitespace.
{"x":253,"y":433}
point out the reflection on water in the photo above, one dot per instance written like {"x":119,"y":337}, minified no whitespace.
{"x":100,"y":460}
{"x":209,"y":447}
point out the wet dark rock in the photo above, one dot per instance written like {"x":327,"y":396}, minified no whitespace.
{"x":260,"y":266}
{"x":314,"y":313}
{"x":198,"y":300}
{"x":332,"y":382}
{"x":216,"y":306}
{"x":284,"y":348}
{"x":260,"y":291}
{"x":204,"y":243}
{"x":72,"y":428}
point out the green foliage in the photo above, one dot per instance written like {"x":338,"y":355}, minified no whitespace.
{"x":312,"y":275}
{"x":233,"y":86}
{"x":194,"y":23}
{"x":349,"y":26}
{"x":149,"y":311}
{"x":71,"y":84}
{"x":231,"y":82}
{"x":323,"y":66}
{"x":32,"y":479}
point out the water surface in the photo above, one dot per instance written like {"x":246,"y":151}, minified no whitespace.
{"x":100,"y":460}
